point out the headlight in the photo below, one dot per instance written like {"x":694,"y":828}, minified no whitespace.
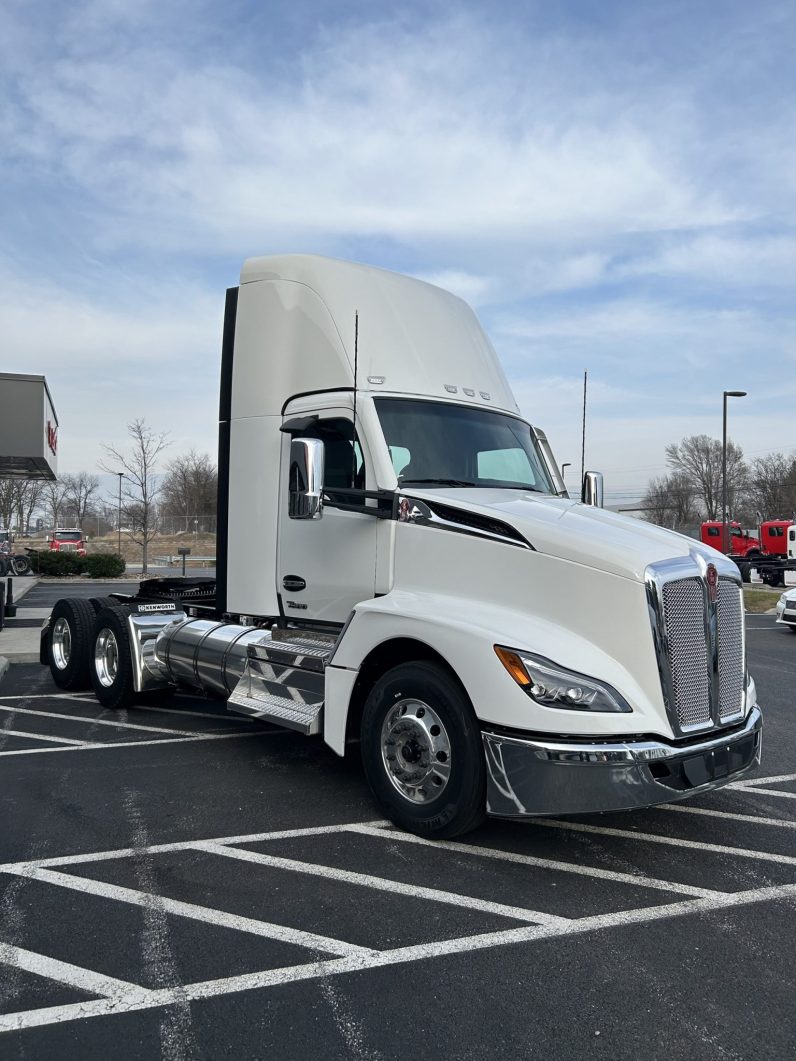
{"x":782,"y":600}
{"x":554,"y":686}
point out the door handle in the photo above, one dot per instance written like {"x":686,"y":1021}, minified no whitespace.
{"x":293,"y":583}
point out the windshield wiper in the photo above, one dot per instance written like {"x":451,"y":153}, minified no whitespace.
{"x":439,"y":482}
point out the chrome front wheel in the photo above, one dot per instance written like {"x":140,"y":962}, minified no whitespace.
{"x":422,"y":751}
{"x":416,"y":750}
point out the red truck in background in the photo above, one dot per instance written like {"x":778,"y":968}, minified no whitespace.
{"x":767,"y":552}
{"x":67,"y":541}
{"x":741,"y":541}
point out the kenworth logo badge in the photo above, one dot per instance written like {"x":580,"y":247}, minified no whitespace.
{"x":712,"y":577}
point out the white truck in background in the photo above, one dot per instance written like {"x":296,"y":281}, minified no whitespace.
{"x":398,"y":561}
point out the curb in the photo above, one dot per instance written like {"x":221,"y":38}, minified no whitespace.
{"x":24,"y":655}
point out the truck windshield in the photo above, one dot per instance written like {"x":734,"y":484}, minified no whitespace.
{"x":68,"y":536}
{"x":437,"y":444}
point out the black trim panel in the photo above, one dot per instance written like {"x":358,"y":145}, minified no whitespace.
{"x":227,"y":354}
{"x":224,"y":416}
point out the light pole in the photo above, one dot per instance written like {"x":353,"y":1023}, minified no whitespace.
{"x":119,"y":517}
{"x":725,"y":538}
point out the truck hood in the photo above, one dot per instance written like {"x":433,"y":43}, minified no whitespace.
{"x":572,"y":531}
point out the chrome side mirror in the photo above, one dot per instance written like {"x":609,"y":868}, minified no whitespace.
{"x":592,"y":493}
{"x":305,"y":479}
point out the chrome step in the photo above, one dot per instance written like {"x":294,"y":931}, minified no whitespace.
{"x":305,"y":718}
{"x":287,"y":648}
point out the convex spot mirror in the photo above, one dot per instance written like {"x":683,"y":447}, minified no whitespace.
{"x":305,"y":479}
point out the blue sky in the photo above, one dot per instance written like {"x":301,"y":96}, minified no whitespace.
{"x":612,"y":185}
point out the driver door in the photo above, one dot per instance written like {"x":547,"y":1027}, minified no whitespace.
{"x":326,"y":566}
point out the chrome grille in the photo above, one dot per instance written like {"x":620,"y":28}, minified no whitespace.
{"x":684,"y":611}
{"x":67,"y":547}
{"x":731,"y":649}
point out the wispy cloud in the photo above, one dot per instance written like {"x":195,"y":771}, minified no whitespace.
{"x":614,"y":193}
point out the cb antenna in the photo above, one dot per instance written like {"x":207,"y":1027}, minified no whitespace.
{"x":356,"y":361}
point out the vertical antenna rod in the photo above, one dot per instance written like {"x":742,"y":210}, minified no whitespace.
{"x":583,"y":437}
{"x":356,"y":360}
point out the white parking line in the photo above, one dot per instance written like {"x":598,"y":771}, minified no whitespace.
{"x":755,"y":819}
{"x":179,"y":845}
{"x":770,"y":792}
{"x":205,"y":914}
{"x":632,"y":879}
{"x":226,"y":716}
{"x":674,"y":841}
{"x":64,"y":973}
{"x":395,"y":887}
{"x":97,"y":721}
{"x":756,"y":782}
{"x":41,"y":737}
{"x":140,"y":999}
{"x":144,"y":743}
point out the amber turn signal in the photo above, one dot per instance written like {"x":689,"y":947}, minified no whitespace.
{"x":513,"y":664}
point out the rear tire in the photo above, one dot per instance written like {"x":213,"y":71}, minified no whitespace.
{"x":20,"y":565}
{"x":111,"y":660}
{"x":422,"y":751}
{"x":98,"y":603}
{"x":69,"y":643}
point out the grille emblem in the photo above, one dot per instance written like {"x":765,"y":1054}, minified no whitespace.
{"x":712,"y":577}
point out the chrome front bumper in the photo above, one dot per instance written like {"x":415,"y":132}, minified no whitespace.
{"x":532,"y":777}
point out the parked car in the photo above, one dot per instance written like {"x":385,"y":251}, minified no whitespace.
{"x":786,"y":610}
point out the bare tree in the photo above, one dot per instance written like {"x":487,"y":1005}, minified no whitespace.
{"x":53,"y":495}
{"x":189,"y":489}
{"x":28,"y":496}
{"x":669,"y":501}
{"x":80,"y":489}
{"x":772,"y":485}
{"x":698,"y":459}
{"x":19,"y":499}
{"x":140,"y":487}
{"x":7,"y":502}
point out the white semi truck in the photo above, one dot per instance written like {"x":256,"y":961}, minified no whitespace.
{"x":399,"y":563}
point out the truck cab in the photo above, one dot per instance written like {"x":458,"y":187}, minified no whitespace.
{"x":67,"y":541}
{"x":774,"y":536}
{"x":399,"y":564}
{"x":741,"y":542}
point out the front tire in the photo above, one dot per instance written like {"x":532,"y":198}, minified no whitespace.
{"x":69,"y":643}
{"x":111,"y":662}
{"x":422,"y":751}
{"x":20,"y":565}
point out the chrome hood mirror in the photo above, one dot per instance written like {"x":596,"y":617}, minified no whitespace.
{"x":305,"y":479}
{"x":592,"y":493}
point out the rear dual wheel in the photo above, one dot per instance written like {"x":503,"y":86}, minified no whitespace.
{"x":68,"y":642}
{"x":111,"y":664}
{"x":71,"y":642}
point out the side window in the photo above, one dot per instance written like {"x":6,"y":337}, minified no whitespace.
{"x":736,"y":532}
{"x":713,"y":532}
{"x":776,"y":532}
{"x":344,"y":466}
{"x":400,"y":457}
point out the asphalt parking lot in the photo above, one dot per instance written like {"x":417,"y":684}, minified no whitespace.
{"x":176,"y":882}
